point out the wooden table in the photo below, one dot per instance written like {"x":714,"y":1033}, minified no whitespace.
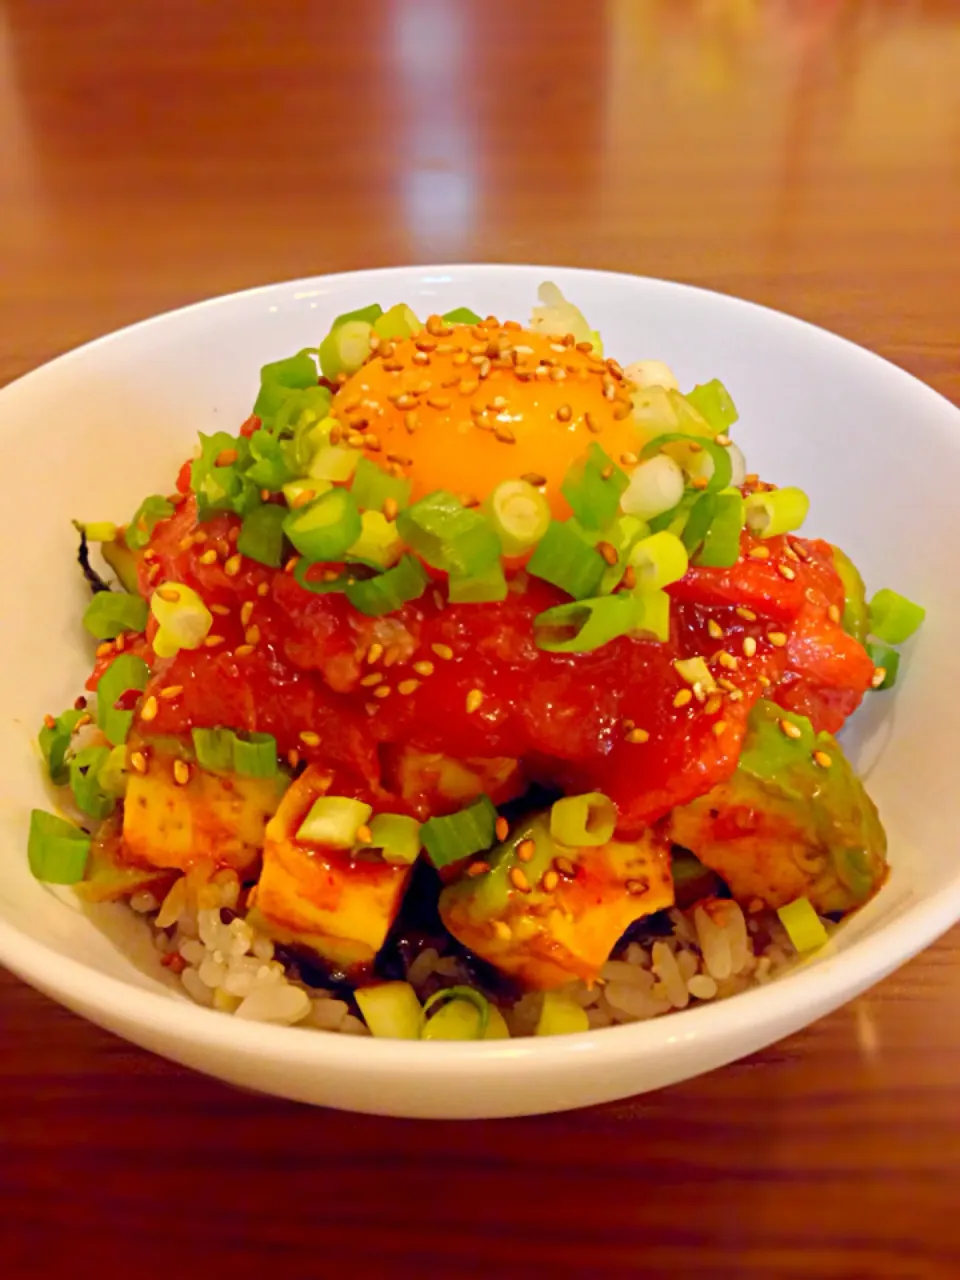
{"x":803,"y":154}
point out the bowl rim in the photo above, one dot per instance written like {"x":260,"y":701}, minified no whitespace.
{"x":813,"y":989}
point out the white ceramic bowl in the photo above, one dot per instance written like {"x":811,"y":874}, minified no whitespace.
{"x":879,"y":453}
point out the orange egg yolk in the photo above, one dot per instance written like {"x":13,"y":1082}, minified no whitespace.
{"x":464,"y":407}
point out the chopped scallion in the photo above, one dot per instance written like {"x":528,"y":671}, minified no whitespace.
{"x":520,"y":514}
{"x":658,"y":560}
{"x":279,"y":378}
{"x":334,"y":821}
{"x":255,"y":756}
{"x":398,"y":322}
{"x":593,"y":486}
{"x":379,"y":544}
{"x":326,"y":528}
{"x":345,"y":348}
{"x":803,"y":925}
{"x":146,"y":517}
{"x":713,"y":401}
{"x":887,"y":660}
{"x":91,"y":797}
{"x":56,"y":850}
{"x":448,"y":535}
{"x":488,"y":587}
{"x":698,"y":522}
{"x":388,"y":591}
{"x":334,"y":462}
{"x":458,"y":835}
{"x":722,"y":466}
{"x":214,"y":748}
{"x":397,"y":835}
{"x":55,"y":742}
{"x":125,"y":673}
{"x":184,"y":619}
{"x":461,"y":315}
{"x":111,"y":612}
{"x":585,"y":624}
{"x":894,"y":618}
{"x":451,"y":1022}
{"x":261,"y":535}
{"x":655,"y":486}
{"x":391,"y":1010}
{"x":652,"y":617}
{"x":721,"y":542}
{"x":565,"y":558}
{"x":372,"y":487}
{"x":579,"y":821}
{"x":561,"y":1015}
{"x":778,"y":511}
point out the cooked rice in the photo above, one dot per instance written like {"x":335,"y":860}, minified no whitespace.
{"x":223,"y":963}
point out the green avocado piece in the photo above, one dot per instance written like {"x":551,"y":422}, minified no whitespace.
{"x":793,"y":821}
{"x":856,"y":616}
{"x":123,"y":562}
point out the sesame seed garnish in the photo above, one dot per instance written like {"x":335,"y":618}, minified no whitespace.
{"x":170,"y":594}
{"x":790,"y":730}
{"x":390,"y":509}
{"x":565,"y":868}
{"x":525,"y":850}
{"x":309,"y":738}
{"x":504,"y":435}
{"x":682,"y":698}
{"x":879,"y":675}
{"x":822,"y":759}
{"x":212,"y":641}
{"x":723,"y":440}
{"x":592,"y":424}
{"x":252,"y":635}
{"x":291,"y":564}
{"x":208,"y":557}
{"x":714,"y":629}
{"x":726,"y":660}
{"x":607,"y":472}
{"x":171,"y":691}
{"x":139,"y":761}
{"x":629,"y":459}
{"x":549,"y":882}
{"x":246,"y":612}
{"x":518,"y":879}
{"x":293,"y":757}
{"x":502,"y":828}
{"x":423,"y":668}
{"x":421,"y":358}
{"x":406,"y":687}
{"x":392,"y":655}
{"x":468,"y":386}
{"x":484,"y":369}
{"x":263,"y":589}
{"x":375,"y":652}
{"x":557,"y":374}
{"x":534,"y":478}
{"x":502,"y":930}
{"x":226,"y":457}
{"x":622,"y":410}
{"x":609,"y":552}
{"x":763,"y":681}
{"x":699,"y":482}
{"x":232,"y":566}
{"x":785,"y":571}
{"x":719,"y":727}
{"x":474,"y":701}
{"x":150,"y":709}
{"x":833,"y":613}
{"x":303,"y":499}
{"x":564,"y":413}
{"x":635,"y":736}
{"x":383,"y":691}
{"x":636,"y":887}
{"x":712,"y":704}
{"x":478,"y":868}
{"x":243,"y":650}
{"x":760,"y":553}
{"x":438,"y":402}
{"x":777,"y":638}
{"x":221,"y":610}
{"x":629,"y":577}
{"x":181,"y":772}
{"x":370,"y":680}
{"x":364,"y":834}
{"x":49,"y":721}
{"x":442,"y":651}
{"x":746,"y":614}
{"x":749,"y":646}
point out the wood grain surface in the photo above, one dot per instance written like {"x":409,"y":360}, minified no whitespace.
{"x":804,"y":154}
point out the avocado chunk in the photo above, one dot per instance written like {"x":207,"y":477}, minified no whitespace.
{"x":549,"y":914}
{"x":793,"y":821}
{"x":856,"y":617}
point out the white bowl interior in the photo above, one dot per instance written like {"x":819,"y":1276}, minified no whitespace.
{"x":90,"y":434}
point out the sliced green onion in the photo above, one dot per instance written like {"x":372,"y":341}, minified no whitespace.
{"x":397,"y":835}
{"x":578,"y":821}
{"x":586,"y":624}
{"x":145,"y":519}
{"x":391,"y":1010}
{"x":458,"y":835}
{"x":297,"y":418}
{"x":652,"y":616}
{"x":280,"y":377}
{"x":722,"y":466}
{"x":565,"y":558}
{"x":713,"y":401}
{"x":379,"y":544}
{"x":519,"y":513}
{"x":125,"y":673}
{"x":271,"y":467}
{"x":446,"y":1024}
{"x":223,"y":486}
{"x":658,"y":560}
{"x":497,"y":1028}
{"x":326,"y":528}
{"x":448,"y":535}
{"x":388,"y":591}
{"x":345,"y":348}
{"x":299,"y":492}
{"x":561,"y":1015}
{"x":887,"y":660}
{"x":85,"y":783}
{"x":97,"y":530}
{"x":698,"y":522}
{"x":372,"y":487}
{"x":855,"y":620}
{"x":369,"y":315}
{"x":721,"y":542}
{"x":111,"y":612}
{"x":334,"y":821}
{"x":184,"y":619}
{"x":461,"y":315}
{"x":593,"y":486}
{"x":488,"y":587}
{"x":112,"y":774}
{"x":622,"y":535}
{"x":894,"y":618}
{"x":655,"y":486}
{"x":674,"y":520}
{"x":779,"y":511}
{"x":261,"y":535}
{"x":397,"y":322}
{"x":57,"y":850}
{"x":214,"y":748}
{"x":255,"y":756}
{"x":334,"y":462}
{"x":803,"y":925}
{"x":55,"y":743}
